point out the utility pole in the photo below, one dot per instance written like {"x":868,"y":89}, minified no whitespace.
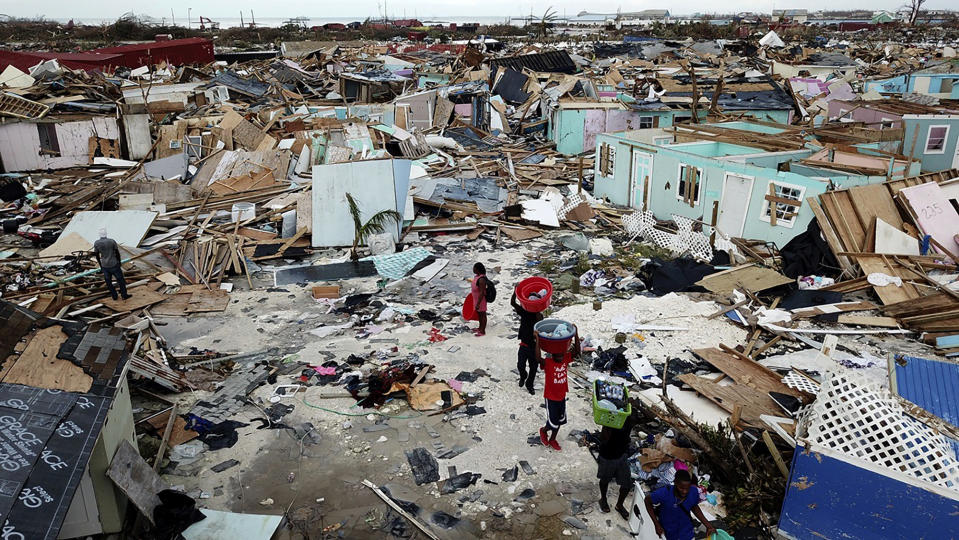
{"x":172,"y":17}
{"x":189,"y":17}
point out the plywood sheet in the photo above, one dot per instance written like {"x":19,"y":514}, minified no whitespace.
{"x":890,"y":294}
{"x":38,"y":365}
{"x":66,"y":245}
{"x":127,"y":227}
{"x":755,"y":278}
{"x":140,"y":297}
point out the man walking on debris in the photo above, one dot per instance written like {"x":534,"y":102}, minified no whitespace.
{"x":526,"y":356}
{"x":478,"y":290}
{"x":612,"y":463}
{"x":556,"y":381}
{"x":108,"y":255}
{"x":675,"y":502}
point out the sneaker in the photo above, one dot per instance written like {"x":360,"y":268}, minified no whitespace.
{"x":542,"y":436}
{"x":604,"y":506}
{"x":127,"y":296}
{"x":479,"y":334}
{"x":522,"y":380}
{"x":115,"y":297}
{"x":530,"y":390}
{"x":623,"y":512}
{"x":555,"y":446}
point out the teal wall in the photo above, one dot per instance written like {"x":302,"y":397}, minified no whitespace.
{"x":931,"y":162}
{"x":663,"y":199}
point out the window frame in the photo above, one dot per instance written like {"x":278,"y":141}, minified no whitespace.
{"x":607,"y":160}
{"x":945,"y":138}
{"x":648,"y":119}
{"x":680,"y":179}
{"x":883,"y":121}
{"x":764,"y":211}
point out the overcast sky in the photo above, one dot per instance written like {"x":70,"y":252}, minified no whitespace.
{"x":421,"y":8}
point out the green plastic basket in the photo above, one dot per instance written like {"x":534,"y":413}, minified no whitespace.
{"x":613,"y":419}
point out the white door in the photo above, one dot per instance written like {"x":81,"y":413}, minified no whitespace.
{"x":921,"y":86}
{"x":737,"y":191}
{"x":641,"y":175}
{"x":955,"y":158}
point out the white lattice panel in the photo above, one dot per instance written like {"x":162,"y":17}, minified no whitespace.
{"x":573,"y":201}
{"x":862,"y":420}
{"x":798,"y":382}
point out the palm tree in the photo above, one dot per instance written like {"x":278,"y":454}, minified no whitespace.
{"x":546,"y":21}
{"x":375,"y":225}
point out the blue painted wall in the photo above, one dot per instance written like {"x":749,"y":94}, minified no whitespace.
{"x":931,"y":384}
{"x":828,"y":498}
{"x":895,"y":85}
{"x":931,"y":162}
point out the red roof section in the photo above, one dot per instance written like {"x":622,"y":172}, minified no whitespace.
{"x":176,"y":52}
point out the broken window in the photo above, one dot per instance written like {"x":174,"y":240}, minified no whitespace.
{"x":945,"y":86}
{"x":645,"y":122}
{"x":687,"y":189}
{"x":49,"y":143}
{"x":936,"y":139}
{"x":787,"y":199}
{"x":682,"y":119}
{"x":887,"y":123}
{"x":607,"y":159}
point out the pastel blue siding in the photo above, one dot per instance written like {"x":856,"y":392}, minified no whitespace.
{"x":931,"y":161}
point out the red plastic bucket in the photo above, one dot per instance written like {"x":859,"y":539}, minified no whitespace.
{"x":530,"y":286}
{"x":554,"y":345}
{"x":469,"y":308}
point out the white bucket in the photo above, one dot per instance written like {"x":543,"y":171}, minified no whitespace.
{"x":243,"y":211}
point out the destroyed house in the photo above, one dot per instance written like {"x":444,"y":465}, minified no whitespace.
{"x":757,"y":185}
{"x":819,"y":64}
{"x":576,"y":122}
{"x":63,"y":141}
{"x":928,"y":133}
{"x":939,"y":81}
{"x":371,"y":86}
{"x":64,"y":386}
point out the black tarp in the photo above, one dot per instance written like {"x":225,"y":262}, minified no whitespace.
{"x":808,"y":254}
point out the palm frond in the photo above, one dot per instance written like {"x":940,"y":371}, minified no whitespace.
{"x":354,"y":212}
{"x":378,"y":221}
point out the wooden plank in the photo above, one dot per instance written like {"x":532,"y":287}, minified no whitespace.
{"x":777,"y":457}
{"x":164,"y":441}
{"x":832,"y":238}
{"x":136,"y":479}
{"x":947,"y":342}
{"x":746,"y":372}
{"x":890,"y":294}
{"x":429,"y":534}
{"x":866,"y":320}
{"x":825,"y":309}
{"x":753,"y":402}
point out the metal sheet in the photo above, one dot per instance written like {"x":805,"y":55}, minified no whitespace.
{"x":219,"y":525}
{"x":127,"y":227}
{"x":828,"y":497}
{"x":931,"y":384}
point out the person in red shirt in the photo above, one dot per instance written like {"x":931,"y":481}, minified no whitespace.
{"x":554,"y":368}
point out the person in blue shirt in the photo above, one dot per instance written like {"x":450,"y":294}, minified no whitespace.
{"x":675,"y":502}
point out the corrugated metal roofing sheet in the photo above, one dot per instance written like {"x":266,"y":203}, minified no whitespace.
{"x":545,"y":62}
{"x":931,"y":384}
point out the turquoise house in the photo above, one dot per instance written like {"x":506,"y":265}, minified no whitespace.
{"x":747,"y":185}
{"x":575,"y":123}
{"x":940,"y":80}
{"x":936,"y":139}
